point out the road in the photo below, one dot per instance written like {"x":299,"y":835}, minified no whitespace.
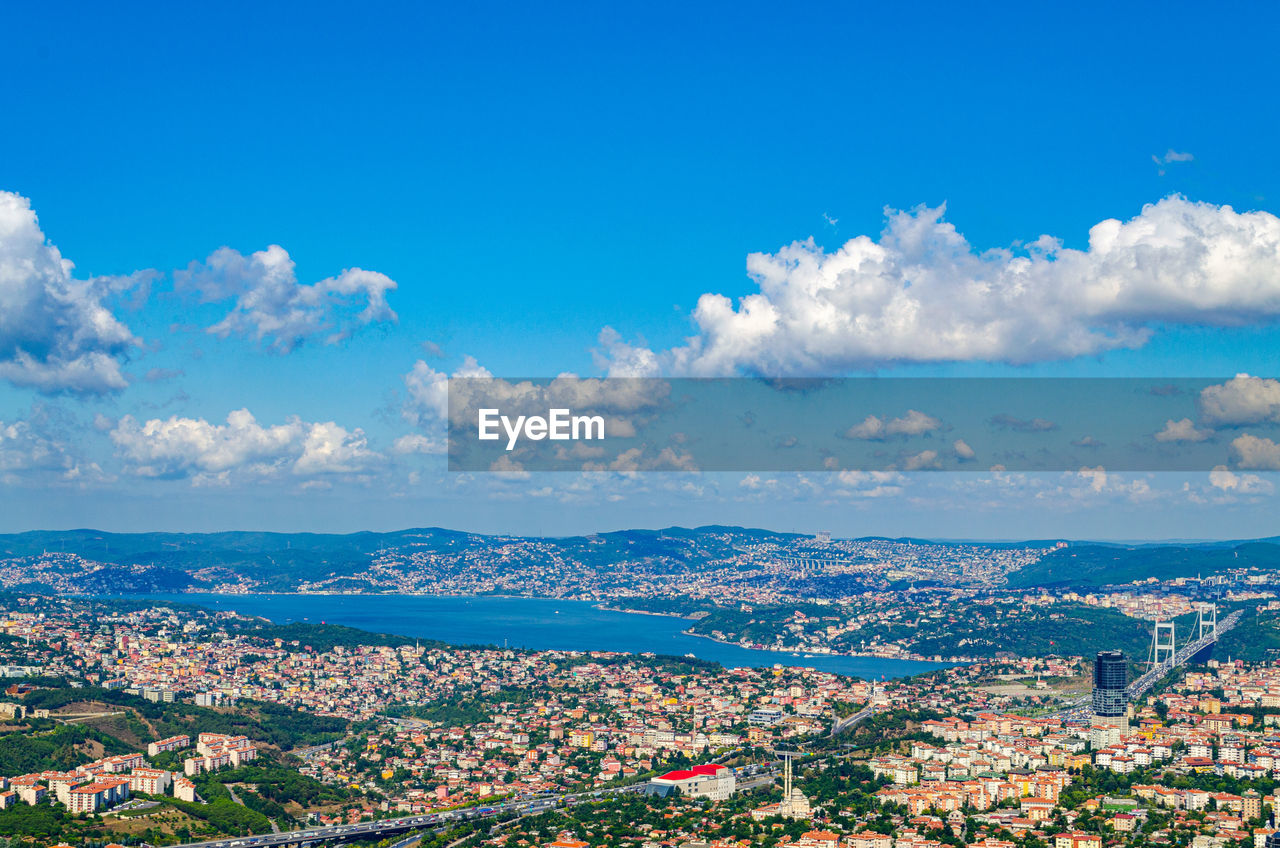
{"x":410,"y":824}
{"x":847,"y":722}
{"x":315,"y":749}
{"x":407,"y":824}
{"x":72,"y":718}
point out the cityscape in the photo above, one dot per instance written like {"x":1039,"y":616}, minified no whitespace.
{"x":1137,"y":713}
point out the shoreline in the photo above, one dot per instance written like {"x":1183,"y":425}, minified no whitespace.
{"x":807,"y":653}
{"x":606,"y":608}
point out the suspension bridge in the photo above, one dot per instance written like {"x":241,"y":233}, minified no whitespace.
{"x":1165,"y":655}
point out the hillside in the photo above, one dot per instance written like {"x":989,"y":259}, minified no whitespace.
{"x":1101,"y":565}
{"x":90,"y":723}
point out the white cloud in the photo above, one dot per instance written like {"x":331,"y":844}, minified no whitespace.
{"x":826,"y":487}
{"x":1240,"y":400}
{"x":429,"y":390}
{"x":192,"y":447}
{"x":1181,"y":431}
{"x":923,"y":293}
{"x":869,"y":485}
{"x":640,"y":459}
{"x":508,"y":467}
{"x":330,"y":449}
{"x":1256,"y":453}
{"x":56,"y":334}
{"x":963,"y":451}
{"x":1246,"y":484}
{"x":1096,"y":477}
{"x":921,"y":461}
{"x":914,"y":423}
{"x":621,"y":359}
{"x":273,"y":308}
{"x":865,"y":479}
{"x":871,"y":427}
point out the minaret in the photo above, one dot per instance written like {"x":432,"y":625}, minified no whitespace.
{"x":786,"y":779}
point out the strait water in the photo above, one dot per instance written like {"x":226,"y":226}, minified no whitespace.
{"x":534,"y":623}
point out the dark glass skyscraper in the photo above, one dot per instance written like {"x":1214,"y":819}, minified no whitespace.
{"x":1110,"y":676}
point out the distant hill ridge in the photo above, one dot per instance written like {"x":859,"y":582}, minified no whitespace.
{"x":275,"y":558}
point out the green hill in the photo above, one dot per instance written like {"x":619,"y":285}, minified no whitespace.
{"x":1101,"y":565}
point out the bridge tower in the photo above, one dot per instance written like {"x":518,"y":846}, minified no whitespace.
{"x":1162,"y":649}
{"x":1207,"y":621}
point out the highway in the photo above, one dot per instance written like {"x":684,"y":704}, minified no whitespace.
{"x":407,"y":824}
{"x":841,"y":725}
{"x":395,"y":827}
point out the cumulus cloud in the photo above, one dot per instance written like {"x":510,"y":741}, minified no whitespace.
{"x":1239,"y":401}
{"x":621,"y":359}
{"x":328,"y":448}
{"x":963,"y":452}
{"x":641,"y":459}
{"x":870,"y":484}
{"x":1256,"y":453}
{"x":274,"y":309}
{"x":1095,"y":477}
{"x":179,"y":447}
{"x":428,"y":389}
{"x":914,"y":423}
{"x":56,"y":333}
{"x":922,"y":293}
{"x":1223,"y":478}
{"x":1088,"y":483}
{"x":1181,"y":431}
{"x":921,"y":461}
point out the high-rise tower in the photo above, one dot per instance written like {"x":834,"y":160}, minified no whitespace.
{"x":1110,"y":676}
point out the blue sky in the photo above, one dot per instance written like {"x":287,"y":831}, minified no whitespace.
{"x":529,"y":176}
